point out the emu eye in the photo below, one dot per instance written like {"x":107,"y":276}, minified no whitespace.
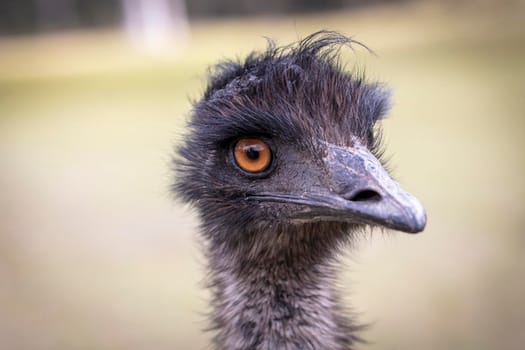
{"x":252,"y":155}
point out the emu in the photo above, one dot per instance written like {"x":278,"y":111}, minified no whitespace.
{"x":282,"y":160}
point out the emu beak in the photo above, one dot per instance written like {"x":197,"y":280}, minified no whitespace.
{"x":365,"y":193}
{"x":361,"y":191}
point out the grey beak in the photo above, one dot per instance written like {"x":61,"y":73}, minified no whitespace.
{"x":364,"y":192}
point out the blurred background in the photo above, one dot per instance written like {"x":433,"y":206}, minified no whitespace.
{"x":94,"y":252}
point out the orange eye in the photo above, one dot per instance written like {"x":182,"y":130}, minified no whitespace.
{"x":252,"y":155}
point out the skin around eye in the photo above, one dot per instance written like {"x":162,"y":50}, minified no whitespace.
{"x":252,"y":155}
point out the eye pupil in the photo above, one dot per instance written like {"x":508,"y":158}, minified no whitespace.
{"x":252,"y":153}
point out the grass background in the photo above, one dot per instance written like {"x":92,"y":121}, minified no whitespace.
{"x":95,"y":254}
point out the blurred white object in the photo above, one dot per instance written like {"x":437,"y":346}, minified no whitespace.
{"x":156,"y":26}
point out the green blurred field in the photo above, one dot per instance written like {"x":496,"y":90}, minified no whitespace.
{"x":94,"y":254}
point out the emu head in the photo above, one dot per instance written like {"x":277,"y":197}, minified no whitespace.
{"x":287,"y":139}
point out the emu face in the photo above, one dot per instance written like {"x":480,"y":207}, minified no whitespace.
{"x":287,"y":137}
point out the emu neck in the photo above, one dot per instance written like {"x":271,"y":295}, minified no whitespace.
{"x":278,"y":296}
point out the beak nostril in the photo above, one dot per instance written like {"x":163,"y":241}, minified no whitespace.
{"x":365,"y":196}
